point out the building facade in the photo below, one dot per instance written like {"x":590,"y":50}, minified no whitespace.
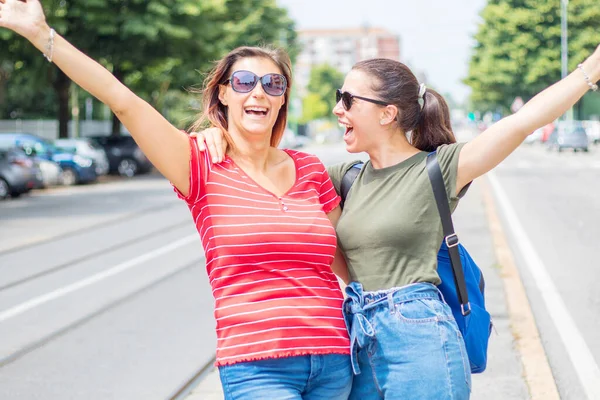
{"x":341,"y":48}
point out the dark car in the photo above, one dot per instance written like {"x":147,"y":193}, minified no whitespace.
{"x":76,"y":169}
{"x":568,"y":135}
{"x":124,"y":156}
{"x":18,"y":173}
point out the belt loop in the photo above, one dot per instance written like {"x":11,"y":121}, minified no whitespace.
{"x":390,"y":298}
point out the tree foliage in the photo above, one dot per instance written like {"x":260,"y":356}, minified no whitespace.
{"x":518,"y":50}
{"x":158,"y":48}
{"x":320,"y":100}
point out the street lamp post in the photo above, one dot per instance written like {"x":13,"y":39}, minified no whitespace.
{"x":564,"y":38}
{"x":564,"y":48}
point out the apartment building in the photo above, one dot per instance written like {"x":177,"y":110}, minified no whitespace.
{"x":341,"y":48}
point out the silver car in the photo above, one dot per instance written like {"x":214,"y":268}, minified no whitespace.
{"x":52,"y":173}
{"x":86,"y":148}
{"x":568,"y":135}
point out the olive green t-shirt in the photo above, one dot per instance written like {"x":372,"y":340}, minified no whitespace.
{"x":390,"y":229}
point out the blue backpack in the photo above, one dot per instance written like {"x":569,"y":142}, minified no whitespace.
{"x":462,"y":281}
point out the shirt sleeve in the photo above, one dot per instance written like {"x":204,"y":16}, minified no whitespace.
{"x":327,"y":194}
{"x":199,"y":167}
{"x":447,"y":155}
{"x":336,"y":173}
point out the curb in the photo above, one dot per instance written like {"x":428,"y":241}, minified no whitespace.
{"x":536,"y":369}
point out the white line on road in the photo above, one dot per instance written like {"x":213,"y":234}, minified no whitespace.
{"x":581,"y":357}
{"x":37,"y":301}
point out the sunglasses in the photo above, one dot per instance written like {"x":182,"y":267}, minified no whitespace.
{"x":245,"y":81}
{"x":348,"y":98}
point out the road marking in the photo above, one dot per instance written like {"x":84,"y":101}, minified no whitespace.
{"x":37,"y":301}
{"x":581,"y":357}
{"x":536,"y":370}
{"x":524,"y":164}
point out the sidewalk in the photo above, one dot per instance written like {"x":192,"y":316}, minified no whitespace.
{"x":504,"y":378}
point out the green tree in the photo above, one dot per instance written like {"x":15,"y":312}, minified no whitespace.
{"x":320,"y":100}
{"x":155,"y":47}
{"x":518,"y":50}
{"x":258,"y":22}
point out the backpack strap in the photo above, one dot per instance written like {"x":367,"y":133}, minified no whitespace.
{"x":348,"y":179}
{"x":441,"y":198}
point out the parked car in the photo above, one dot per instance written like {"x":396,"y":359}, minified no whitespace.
{"x":290,"y":140}
{"x":18,"y":173}
{"x":87,"y":148}
{"x":592,"y":128}
{"x":76,"y":169}
{"x":124,"y":156}
{"x":52,"y":173}
{"x":568,"y":135}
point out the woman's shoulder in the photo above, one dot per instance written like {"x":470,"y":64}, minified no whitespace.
{"x":450,"y":149}
{"x":302,"y":158}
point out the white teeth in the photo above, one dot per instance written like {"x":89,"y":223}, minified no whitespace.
{"x":345,"y":126}
{"x":257,"y":109}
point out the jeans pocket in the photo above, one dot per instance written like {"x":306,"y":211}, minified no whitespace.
{"x":422,"y":310}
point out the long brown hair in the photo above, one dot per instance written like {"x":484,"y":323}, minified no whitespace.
{"x":395,"y":84}
{"x":214,"y":113}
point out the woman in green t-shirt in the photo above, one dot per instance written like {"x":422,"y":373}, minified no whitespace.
{"x":405,"y":341}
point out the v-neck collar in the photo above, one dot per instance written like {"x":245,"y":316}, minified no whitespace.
{"x":247,"y":176}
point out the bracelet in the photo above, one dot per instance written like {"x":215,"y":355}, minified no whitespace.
{"x":50,"y":46}
{"x":592,"y":85}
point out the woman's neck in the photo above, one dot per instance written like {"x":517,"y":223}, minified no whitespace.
{"x":250,"y":152}
{"x":392,"y":151}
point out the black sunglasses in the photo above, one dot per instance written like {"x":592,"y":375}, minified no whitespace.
{"x":245,"y":81}
{"x":348,"y":98}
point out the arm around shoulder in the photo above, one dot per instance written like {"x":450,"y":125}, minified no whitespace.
{"x":338,"y":266}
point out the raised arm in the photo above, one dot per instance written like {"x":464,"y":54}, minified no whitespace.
{"x":165,"y":146}
{"x":497,"y":142}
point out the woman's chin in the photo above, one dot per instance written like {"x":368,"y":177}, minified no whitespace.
{"x":258,"y":129}
{"x":351,"y":148}
{"x":350,"y":144}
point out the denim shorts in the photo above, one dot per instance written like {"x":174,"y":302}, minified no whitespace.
{"x":405,"y":345}
{"x":311,"y":377}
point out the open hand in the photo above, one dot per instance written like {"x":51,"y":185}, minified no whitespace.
{"x":211,"y":139}
{"x":25,"y":17}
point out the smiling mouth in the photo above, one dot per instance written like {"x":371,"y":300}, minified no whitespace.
{"x":348,"y":128}
{"x":258,"y":111}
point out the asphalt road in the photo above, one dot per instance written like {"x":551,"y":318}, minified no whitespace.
{"x":103,"y":293}
{"x":554,"y":198}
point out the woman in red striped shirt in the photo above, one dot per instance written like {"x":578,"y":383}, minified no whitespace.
{"x":262,"y":217}
{"x":265,"y":216}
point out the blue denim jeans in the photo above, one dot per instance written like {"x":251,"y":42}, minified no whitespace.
{"x":405,"y":345}
{"x":311,"y":377}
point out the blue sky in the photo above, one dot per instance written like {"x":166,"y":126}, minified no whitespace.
{"x":436,"y":35}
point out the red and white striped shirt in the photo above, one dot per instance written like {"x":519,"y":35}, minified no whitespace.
{"x":268,"y":260}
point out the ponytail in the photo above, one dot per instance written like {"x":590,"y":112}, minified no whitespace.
{"x":395,"y":84}
{"x":433,"y":127}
